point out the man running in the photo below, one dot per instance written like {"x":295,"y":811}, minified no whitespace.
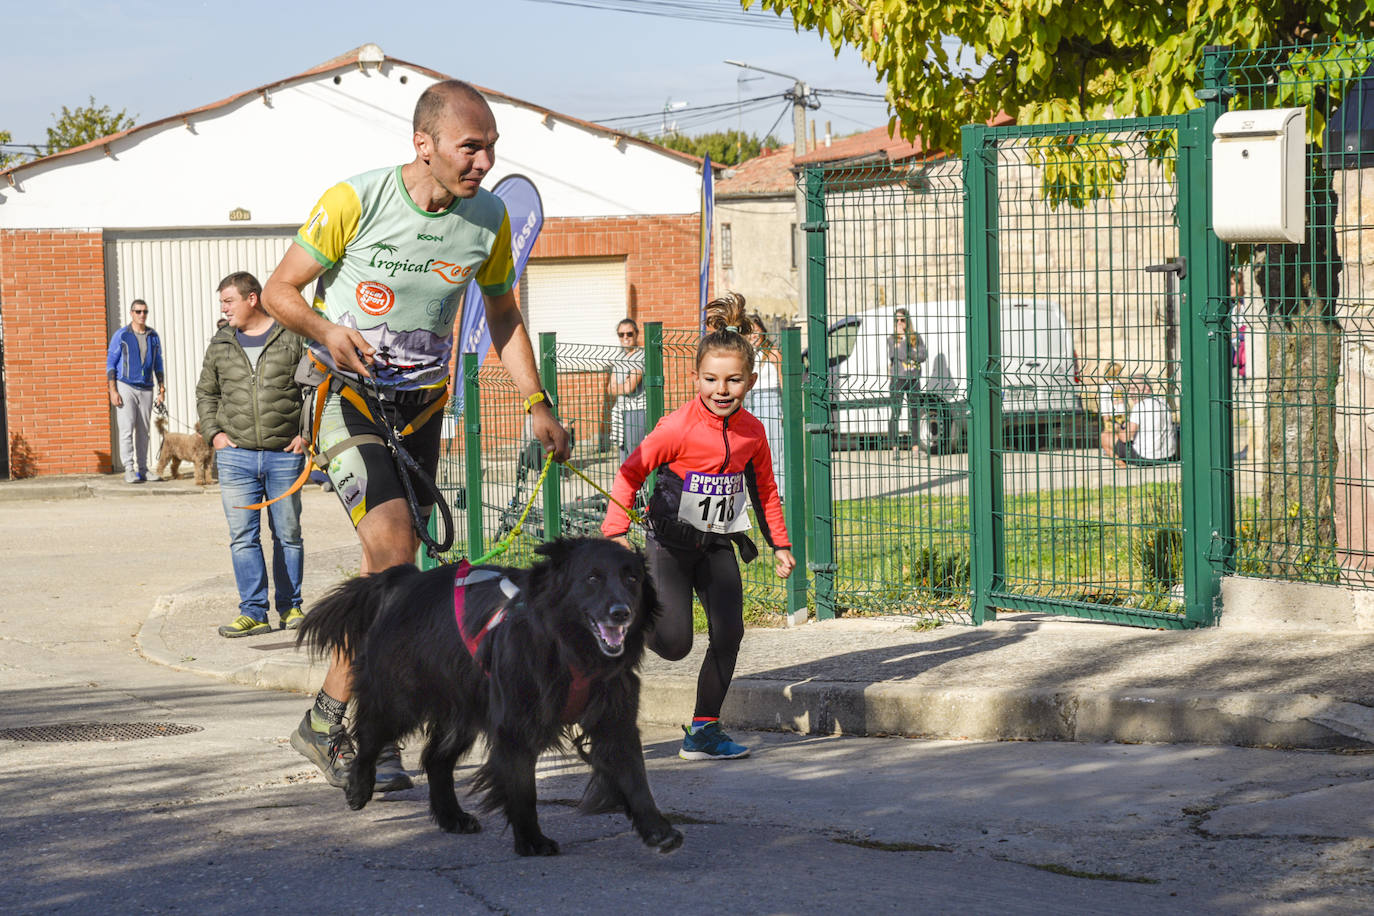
{"x":393,"y":250}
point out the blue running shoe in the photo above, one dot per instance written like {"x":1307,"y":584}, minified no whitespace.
{"x":709,"y":743}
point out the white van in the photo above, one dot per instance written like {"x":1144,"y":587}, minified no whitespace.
{"x":1039,"y":374}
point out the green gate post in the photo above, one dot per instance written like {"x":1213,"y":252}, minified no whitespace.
{"x":653,"y":374}
{"x":983,"y":318}
{"x":548,"y":375}
{"x":653,"y":385}
{"x":1206,"y":449}
{"x":472,"y":455}
{"x":794,"y":468}
{"x":818,"y":422}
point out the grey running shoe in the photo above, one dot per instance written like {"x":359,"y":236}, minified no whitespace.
{"x":332,"y":751}
{"x":391,"y":777}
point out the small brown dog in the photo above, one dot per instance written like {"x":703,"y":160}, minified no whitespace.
{"x":179,"y":447}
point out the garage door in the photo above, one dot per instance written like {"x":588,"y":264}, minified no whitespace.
{"x":177,"y":272}
{"x":579,"y":299}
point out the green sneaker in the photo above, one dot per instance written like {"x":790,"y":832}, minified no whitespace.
{"x":292,"y":618}
{"x":244,"y":625}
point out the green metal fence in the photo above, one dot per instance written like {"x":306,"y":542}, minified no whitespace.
{"x":1302,"y":389}
{"x":1064,"y":280}
{"x":1081,"y":323}
{"x":888,"y":468}
{"x":490,"y":465}
{"x":1043,"y":301}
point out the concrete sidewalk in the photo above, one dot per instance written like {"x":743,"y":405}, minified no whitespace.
{"x":1023,"y":677}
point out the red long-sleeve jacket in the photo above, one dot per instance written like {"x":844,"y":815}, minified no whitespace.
{"x":692,"y":438}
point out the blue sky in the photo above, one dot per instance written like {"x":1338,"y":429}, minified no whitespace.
{"x":159,"y":58}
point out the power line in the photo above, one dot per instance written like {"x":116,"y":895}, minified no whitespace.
{"x":698,"y":116}
{"x":689,"y":110}
{"x":719,"y":11}
{"x":852,"y":94}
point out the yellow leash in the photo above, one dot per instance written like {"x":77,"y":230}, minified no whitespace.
{"x":635,"y":515}
{"x":504,"y":544}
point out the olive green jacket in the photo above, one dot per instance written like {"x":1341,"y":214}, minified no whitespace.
{"x":257,"y":408}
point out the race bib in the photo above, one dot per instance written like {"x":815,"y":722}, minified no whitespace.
{"x":714,"y":503}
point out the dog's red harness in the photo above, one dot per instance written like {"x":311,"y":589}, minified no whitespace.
{"x":579,"y":692}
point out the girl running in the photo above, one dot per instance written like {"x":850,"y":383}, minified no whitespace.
{"x":711,"y":456}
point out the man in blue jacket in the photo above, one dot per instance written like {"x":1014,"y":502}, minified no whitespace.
{"x":134,"y":361}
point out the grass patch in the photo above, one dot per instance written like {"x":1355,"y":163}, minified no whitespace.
{"x":1093,"y":875}
{"x":892,"y":847}
{"x":1116,"y":546}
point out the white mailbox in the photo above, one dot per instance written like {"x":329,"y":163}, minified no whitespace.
{"x":1259,"y":175}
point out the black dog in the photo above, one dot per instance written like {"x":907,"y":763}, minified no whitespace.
{"x":527,"y":665}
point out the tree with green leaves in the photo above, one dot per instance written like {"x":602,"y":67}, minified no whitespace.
{"x":727,"y":147}
{"x":76,"y":126}
{"x":8,"y":159}
{"x":1055,"y":61}
{"x":1048,"y":61}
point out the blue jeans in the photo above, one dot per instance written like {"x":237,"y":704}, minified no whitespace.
{"x":248,"y":476}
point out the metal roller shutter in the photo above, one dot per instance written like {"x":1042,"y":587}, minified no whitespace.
{"x":579,"y":299}
{"x":176,"y":272}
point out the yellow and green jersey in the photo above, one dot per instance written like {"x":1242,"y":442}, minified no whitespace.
{"x":398,"y":274}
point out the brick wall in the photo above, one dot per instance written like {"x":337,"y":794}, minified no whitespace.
{"x":52,"y":292}
{"x":661,"y":269}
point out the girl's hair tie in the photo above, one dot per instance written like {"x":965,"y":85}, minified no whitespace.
{"x":731,"y":327}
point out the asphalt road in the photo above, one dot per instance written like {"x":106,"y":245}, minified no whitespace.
{"x":229,"y":819}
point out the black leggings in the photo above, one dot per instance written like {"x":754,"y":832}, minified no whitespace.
{"x":713,"y":574}
{"x":908,"y":388}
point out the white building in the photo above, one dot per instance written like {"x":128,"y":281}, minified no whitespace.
{"x":164,"y":210}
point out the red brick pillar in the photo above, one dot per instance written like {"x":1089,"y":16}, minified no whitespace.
{"x":52,"y":293}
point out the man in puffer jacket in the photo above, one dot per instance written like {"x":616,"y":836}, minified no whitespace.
{"x":250,"y":412}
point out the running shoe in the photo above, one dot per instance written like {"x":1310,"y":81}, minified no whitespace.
{"x":390,"y":775}
{"x":243,"y":625}
{"x":709,"y":743}
{"x":331,"y":751}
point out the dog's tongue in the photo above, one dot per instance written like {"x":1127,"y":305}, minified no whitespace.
{"x":612,"y":636}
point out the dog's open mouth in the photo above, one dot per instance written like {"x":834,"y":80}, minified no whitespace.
{"x":609,"y":637}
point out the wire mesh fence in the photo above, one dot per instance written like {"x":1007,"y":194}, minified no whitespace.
{"x":1299,"y":318}
{"x":1033,"y":379}
{"x":895,"y":396}
{"x":490,"y":464}
{"x":1087,"y":375}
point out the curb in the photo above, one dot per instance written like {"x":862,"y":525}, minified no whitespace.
{"x":903,"y":710}
{"x":1012,"y":714}
{"x":78,"y":489}
{"x":300,"y":674}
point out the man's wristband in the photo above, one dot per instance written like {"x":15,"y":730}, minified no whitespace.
{"x":535,"y":398}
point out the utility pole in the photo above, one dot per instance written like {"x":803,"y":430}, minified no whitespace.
{"x":801,"y":97}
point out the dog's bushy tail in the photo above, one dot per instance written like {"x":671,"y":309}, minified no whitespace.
{"x":161,"y":423}
{"x":341,"y":620}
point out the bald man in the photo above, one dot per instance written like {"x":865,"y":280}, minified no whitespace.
{"x":393,"y":250}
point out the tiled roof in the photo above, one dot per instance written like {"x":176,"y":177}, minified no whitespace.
{"x":773,"y":171}
{"x":359,"y":56}
{"x":870,"y":143}
{"x":765,"y":175}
